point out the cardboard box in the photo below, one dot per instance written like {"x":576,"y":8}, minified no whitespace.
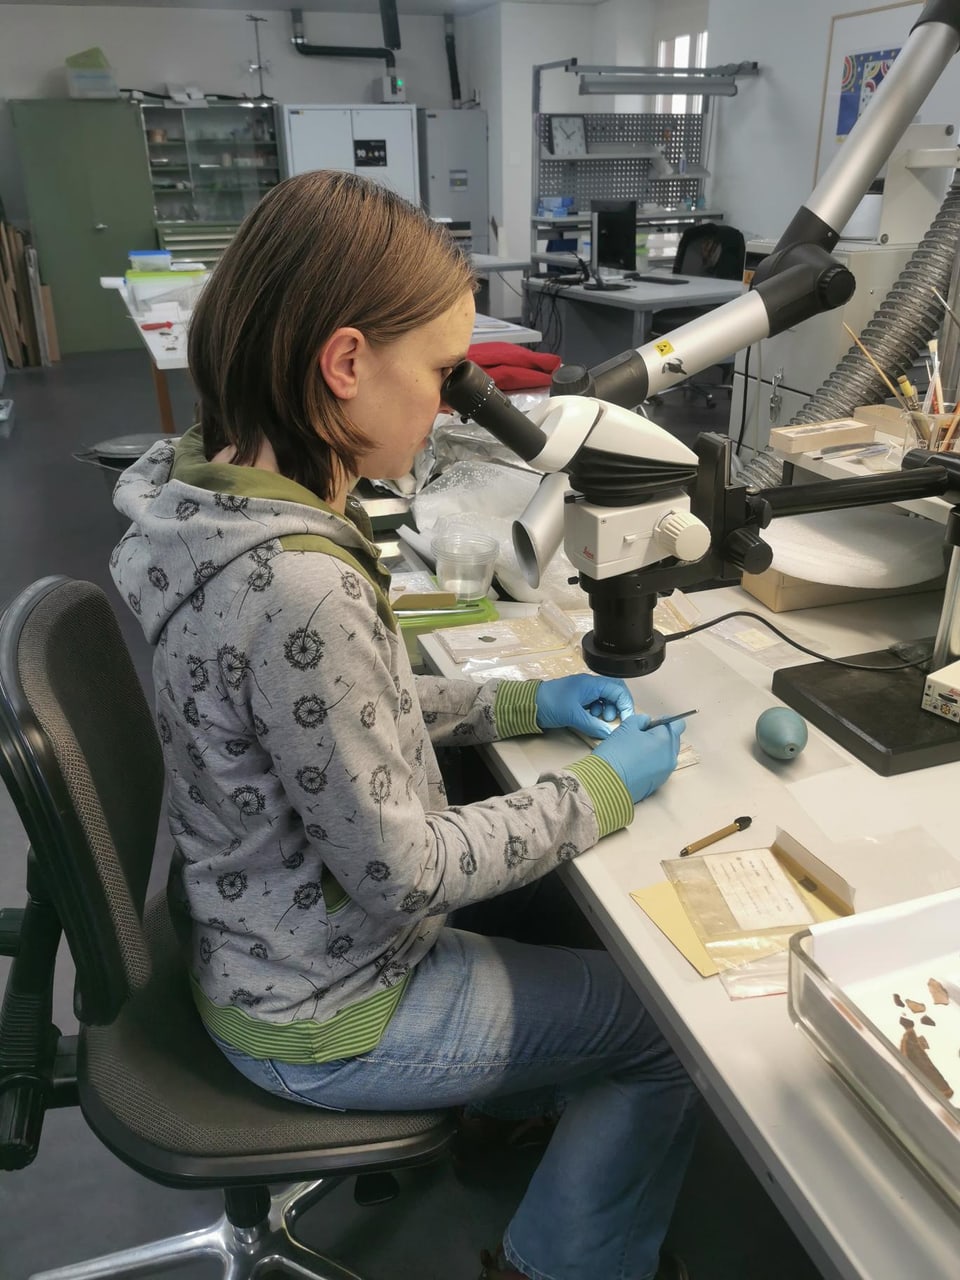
{"x":811,"y":436}
{"x":89,"y":75}
{"x":781,"y":592}
{"x":887,"y":418}
{"x":92,"y":82}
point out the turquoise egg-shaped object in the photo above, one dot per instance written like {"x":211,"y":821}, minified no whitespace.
{"x":781,"y":733}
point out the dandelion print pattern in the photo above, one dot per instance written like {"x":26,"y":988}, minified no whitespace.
{"x":197,"y":669}
{"x":232,"y":885}
{"x":380,"y":784}
{"x":376,"y":870}
{"x":249,"y":800}
{"x":305,"y":896}
{"x":514,"y":851}
{"x":304,"y":649}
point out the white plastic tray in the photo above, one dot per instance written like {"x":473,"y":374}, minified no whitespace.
{"x":850,"y":984}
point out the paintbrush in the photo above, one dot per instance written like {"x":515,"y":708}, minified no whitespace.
{"x":951,"y":428}
{"x":933,"y":346}
{"x":894,"y":391}
{"x":946,"y":306}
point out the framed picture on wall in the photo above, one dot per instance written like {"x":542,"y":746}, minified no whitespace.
{"x":862,"y":48}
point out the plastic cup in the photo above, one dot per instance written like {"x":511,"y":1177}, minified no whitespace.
{"x":465,"y":563}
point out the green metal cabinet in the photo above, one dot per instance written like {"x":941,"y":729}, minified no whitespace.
{"x":90,"y":202}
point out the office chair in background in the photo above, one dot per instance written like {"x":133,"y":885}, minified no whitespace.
{"x":80,"y":756}
{"x":705,"y":249}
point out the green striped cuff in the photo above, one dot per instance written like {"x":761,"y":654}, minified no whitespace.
{"x":607,"y":790}
{"x":515,"y":707}
{"x":354,"y":1030}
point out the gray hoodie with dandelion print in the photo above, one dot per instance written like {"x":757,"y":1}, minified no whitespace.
{"x":315,"y":855}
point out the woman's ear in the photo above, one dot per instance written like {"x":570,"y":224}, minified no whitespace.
{"x":339,"y":362}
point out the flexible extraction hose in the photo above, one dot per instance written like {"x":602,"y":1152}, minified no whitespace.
{"x":896,"y":335}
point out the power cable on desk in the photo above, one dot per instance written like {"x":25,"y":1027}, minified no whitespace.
{"x":552,"y":327}
{"x":743,"y":402}
{"x":812,"y":653}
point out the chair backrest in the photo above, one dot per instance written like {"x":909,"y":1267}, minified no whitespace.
{"x":711,"y":249}
{"x":82,"y":761}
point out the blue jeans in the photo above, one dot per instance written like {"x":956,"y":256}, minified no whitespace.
{"x":516,"y":1030}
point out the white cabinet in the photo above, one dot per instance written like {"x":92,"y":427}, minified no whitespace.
{"x":453,"y":173}
{"x":378,"y":142}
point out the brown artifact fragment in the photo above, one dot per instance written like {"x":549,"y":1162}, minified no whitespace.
{"x":914,"y":1049}
{"x":938,"y":992}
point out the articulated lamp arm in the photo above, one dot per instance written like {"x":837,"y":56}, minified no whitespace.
{"x":798,"y":279}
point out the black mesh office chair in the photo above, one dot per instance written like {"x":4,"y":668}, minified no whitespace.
{"x":705,"y":249}
{"x":81,"y":759}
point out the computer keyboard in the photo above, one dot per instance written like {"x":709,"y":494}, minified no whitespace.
{"x":664,"y":279}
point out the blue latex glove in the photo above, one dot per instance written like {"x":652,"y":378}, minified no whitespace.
{"x":583,"y":702}
{"x":644,"y":758}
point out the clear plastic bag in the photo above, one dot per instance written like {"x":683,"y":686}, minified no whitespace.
{"x":742,"y":905}
{"x":487,"y":497}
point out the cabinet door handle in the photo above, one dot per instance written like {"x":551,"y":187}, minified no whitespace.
{"x":100,"y":226}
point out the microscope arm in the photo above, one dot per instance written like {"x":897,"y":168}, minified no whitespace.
{"x":618,"y":470}
{"x":798,"y":279}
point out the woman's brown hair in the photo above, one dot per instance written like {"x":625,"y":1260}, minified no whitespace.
{"x":321,"y":251}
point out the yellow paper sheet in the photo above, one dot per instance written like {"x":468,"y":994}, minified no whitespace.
{"x":661,"y":904}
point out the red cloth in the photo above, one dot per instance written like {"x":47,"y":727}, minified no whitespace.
{"x":512,"y":367}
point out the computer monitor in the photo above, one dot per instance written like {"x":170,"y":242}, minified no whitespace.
{"x":613,"y":239}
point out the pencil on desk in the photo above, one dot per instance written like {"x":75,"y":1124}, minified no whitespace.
{"x":738,"y":824}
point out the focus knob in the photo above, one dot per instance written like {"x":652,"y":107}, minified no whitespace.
{"x":748,"y":551}
{"x":836,"y":286}
{"x":683,"y":535}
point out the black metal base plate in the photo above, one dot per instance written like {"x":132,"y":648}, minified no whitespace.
{"x":876,"y":715}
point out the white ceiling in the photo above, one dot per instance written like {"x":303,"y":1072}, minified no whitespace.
{"x":410,"y":7}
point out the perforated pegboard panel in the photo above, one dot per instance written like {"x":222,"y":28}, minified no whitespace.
{"x":623,"y":178}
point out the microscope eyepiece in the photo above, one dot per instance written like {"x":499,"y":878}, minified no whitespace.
{"x":474,"y":394}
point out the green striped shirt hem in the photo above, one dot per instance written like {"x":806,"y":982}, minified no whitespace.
{"x":515,"y":707}
{"x":605,"y":787}
{"x":354,"y":1030}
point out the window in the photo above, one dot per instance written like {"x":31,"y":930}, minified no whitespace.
{"x":680,"y":52}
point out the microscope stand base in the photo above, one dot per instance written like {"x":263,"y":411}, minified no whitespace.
{"x":875,"y":715}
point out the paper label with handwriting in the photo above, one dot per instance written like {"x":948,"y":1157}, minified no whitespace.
{"x":757,"y":890}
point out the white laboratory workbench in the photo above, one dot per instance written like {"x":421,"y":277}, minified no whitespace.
{"x":857,"y":1203}
{"x":168,"y":347}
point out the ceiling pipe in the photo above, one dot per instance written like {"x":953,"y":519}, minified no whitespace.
{"x":338,"y":50}
{"x":451,"y":46}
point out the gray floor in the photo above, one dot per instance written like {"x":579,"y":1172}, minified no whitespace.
{"x":77,"y":1200}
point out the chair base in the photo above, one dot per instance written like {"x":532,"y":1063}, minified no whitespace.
{"x":245,"y":1253}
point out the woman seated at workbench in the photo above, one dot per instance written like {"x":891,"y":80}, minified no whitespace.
{"x":316,"y":856}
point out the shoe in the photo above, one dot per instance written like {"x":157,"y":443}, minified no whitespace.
{"x":496,"y":1267}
